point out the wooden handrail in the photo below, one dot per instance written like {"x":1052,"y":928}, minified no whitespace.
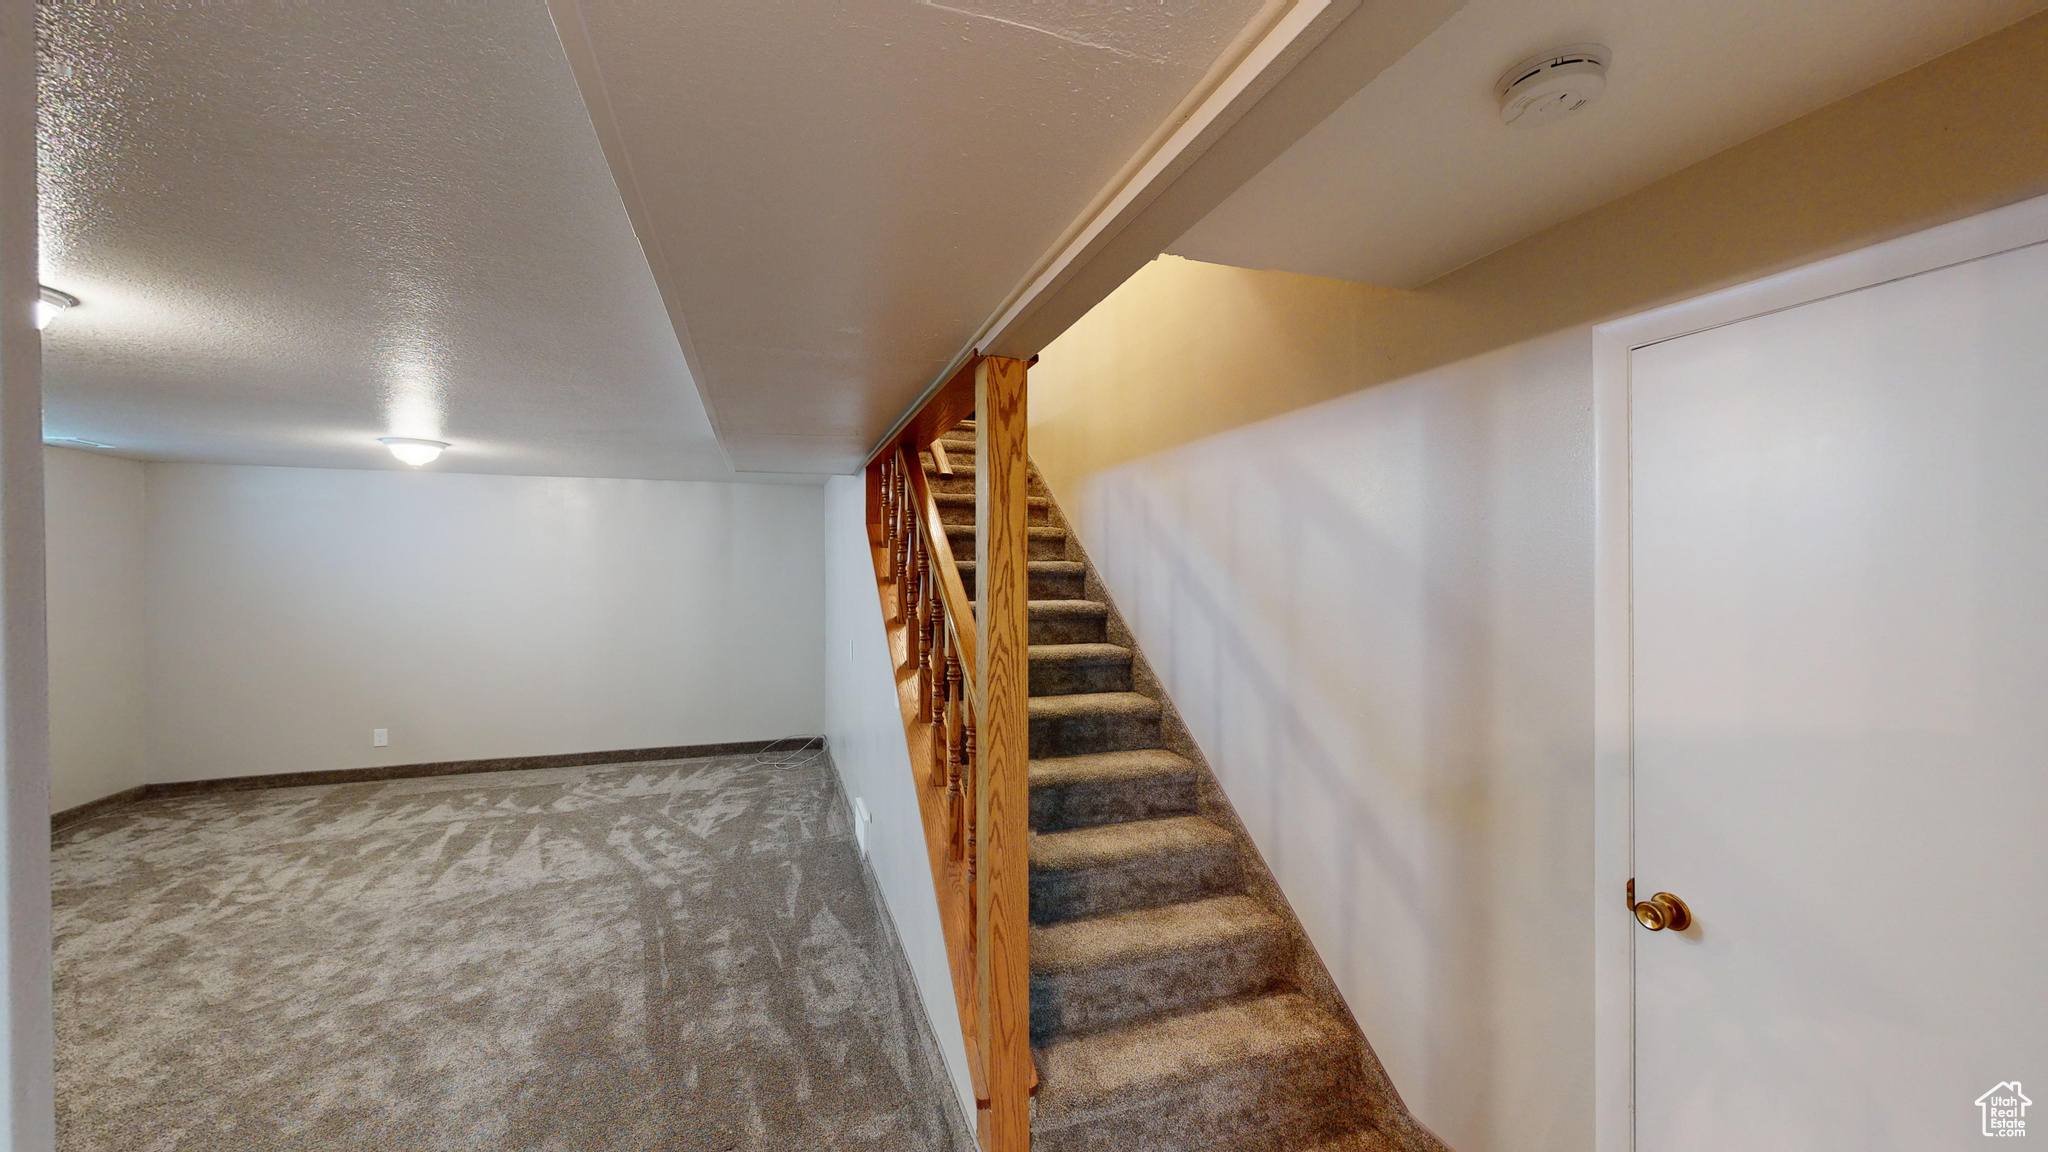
{"x":952,"y":589}
{"x":962,"y":676}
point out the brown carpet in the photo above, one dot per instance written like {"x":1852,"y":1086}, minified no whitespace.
{"x":676,"y":955}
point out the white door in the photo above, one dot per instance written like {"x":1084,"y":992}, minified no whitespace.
{"x":1840,"y":682}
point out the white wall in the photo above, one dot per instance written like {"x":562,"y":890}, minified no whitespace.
{"x":292,"y":610}
{"x":864,"y":726}
{"x":1375,"y":615}
{"x":94,"y":521}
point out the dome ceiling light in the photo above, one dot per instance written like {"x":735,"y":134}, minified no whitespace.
{"x":50,"y":304}
{"x":411,"y":451}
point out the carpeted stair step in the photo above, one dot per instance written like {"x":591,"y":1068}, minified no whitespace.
{"x":962,"y":479}
{"x":1263,"y":1074}
{"x":1068,"y":622}
{"x":1137,"y":864}
{"x":1092,"y":722}
{"x":1361,"y":1140}
{"x":1090,"y":974}
{"x":1048,"y":579}
{"x":958,"y":508}
{"x":1066,"y":669}
{"x":1043,"y":543}
{"x":1106,"y":787}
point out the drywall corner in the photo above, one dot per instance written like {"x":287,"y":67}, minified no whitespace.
{"x":95,"y":531}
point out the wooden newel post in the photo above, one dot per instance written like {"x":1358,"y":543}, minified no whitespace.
{"x":1002,"y":897}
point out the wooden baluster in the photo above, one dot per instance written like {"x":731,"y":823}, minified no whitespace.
{"x":921,"y":630}
{"x":909,"y":531}
{"x":935,"y":653}
{"x":902,"y":540}
{"x":935,"y":692}
{"x":913,"y":595}
{"x":956,"y":706}
{"x":942,"y":717}
{"x":959,"y":777}
{"x":892,"y":499}
{"x":970,"y":787}
{"x":933,"y":610}
{"x":895,"y":513}
{"x":884,"y":486}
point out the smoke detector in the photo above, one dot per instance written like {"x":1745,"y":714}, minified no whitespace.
{"x":1547,"y":88}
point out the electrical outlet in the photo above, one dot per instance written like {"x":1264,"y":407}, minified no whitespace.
{"x":380,"y":737}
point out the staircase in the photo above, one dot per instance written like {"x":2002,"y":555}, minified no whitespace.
{"x":1175,"y":1004}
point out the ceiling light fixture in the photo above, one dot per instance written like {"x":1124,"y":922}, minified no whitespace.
{"x":50,"y":303}
{"x":411,"y":451}
{"x":1545,"y":89}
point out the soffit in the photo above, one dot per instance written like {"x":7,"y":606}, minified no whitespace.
{"x":1415,"y":175}
{"x":835,"y":198}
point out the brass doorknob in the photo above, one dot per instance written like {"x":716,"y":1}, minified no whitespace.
{"x":1660,"y":911}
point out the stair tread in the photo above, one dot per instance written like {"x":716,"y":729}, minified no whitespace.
{"x":1106,"y":844}
{"x":1126,"y":937}
{"x":1091,"y":704}
{"x":1085,"y":1072}
{"x":968,"y":498}
{"x":1079,"y":652}
{"x":1067,"y":607}
{"x":1042,"y":531}
{"x":1063,"y":566}
{"x":1363,"y":1140}
{"x":1088,"y":767}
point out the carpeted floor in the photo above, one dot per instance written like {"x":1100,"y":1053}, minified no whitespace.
{"x":679,"y":955}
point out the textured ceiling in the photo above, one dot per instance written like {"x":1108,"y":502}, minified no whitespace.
{"x":1415,"y":175}
{"x":836,"y":196}
{"x":298,"y":227}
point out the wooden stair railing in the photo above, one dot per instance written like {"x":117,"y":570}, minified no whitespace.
{"x":963,"y":679}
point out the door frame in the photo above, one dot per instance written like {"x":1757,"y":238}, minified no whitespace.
{"x":1998,"y":231}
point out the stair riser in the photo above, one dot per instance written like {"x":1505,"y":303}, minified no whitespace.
{"x":1093,"y":732}
{"x":962,"y":480}
{"x":1037,"y":515}
{"x":1056,"y":808}
{"x":1081,"y":1001}
{"x":1068,"y":677}
{"x":1068,"y":628}
{"x":1044,"y":545}
{"x":1043,"y":586}
{"x":1146,"y":882}
{"x":1277,"y":1104}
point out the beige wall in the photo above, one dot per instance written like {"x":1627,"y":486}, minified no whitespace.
{"x":94,"y":522}
{"x":1352,"y":528}
{"x":1186,"y":350}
